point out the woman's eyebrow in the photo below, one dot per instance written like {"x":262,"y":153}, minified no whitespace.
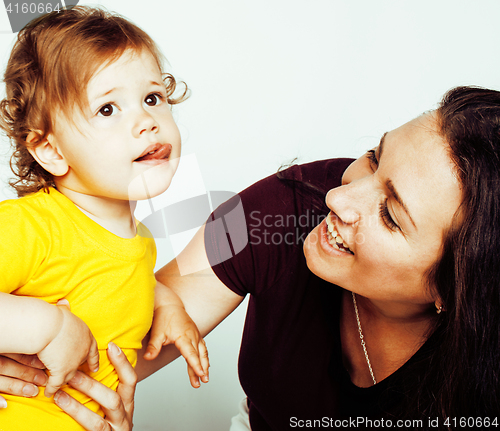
{"x":381,"y":145}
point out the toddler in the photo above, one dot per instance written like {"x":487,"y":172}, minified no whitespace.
{"x":88,"y":110}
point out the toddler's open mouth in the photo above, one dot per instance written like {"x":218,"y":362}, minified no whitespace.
{"x":155,"y":152}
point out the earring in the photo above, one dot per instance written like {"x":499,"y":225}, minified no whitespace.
{"x":439,"y":309}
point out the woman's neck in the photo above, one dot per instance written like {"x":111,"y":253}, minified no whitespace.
{"x":391,"y":338}
{"x":114,"y":215}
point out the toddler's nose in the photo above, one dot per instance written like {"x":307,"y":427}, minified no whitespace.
{"x":144,"y":123}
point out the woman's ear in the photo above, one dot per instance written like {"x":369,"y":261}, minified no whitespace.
{"x":46,"y":154}
{"x":439,"y":306}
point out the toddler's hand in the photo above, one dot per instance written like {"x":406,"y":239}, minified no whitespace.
{"x":72,"y":345}
{"x":172,"y":324}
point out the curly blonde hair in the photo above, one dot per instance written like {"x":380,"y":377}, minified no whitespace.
{"x":51,"y":63}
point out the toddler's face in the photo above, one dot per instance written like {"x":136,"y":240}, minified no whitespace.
{"x":127,"y":145}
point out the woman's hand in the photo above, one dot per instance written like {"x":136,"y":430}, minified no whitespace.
{"x":118,"y":406}
{"x":20,"y":375}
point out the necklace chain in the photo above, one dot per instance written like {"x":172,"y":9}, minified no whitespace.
{"x":363,"y":344}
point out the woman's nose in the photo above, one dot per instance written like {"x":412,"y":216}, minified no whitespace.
{"x":350,"y":201}
{"x":144,"y":123}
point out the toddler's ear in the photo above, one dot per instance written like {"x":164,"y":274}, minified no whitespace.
{"x":46,"y":154}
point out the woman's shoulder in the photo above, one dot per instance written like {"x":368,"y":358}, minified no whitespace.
{"x":324,"y":174}
{"x":267,"y":224}
{"x":319,"y":176}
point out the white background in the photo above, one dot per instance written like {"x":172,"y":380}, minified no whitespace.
{"x":273,"y":80}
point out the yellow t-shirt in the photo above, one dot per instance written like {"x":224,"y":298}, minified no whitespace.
{"x":51,"y":250}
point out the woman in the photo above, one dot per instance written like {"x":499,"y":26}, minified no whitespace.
{"x":390,"y":309}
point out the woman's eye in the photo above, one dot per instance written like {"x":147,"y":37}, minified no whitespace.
{"x":106,"y":110}
{"x":153,"y":99}
{"x":386,"y":216}
{"x":372,"y":157}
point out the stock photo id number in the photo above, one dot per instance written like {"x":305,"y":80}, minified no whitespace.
{"x":16,"y":15}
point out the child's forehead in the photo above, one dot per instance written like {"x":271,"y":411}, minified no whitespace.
{"x":129,"y":58}
{"x":131,"y":64}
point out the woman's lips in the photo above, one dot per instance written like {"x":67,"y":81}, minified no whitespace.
{"x":155,"y":152}
{"x":333,"y":236}
{"x":327,"y":246}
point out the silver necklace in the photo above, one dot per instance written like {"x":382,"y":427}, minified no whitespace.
{"x":362,"y":338}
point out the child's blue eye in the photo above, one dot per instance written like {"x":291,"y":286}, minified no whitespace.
{"x":153,"y":99}
{"x":107,"y":110}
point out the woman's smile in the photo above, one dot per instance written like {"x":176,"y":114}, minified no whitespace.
{"x":333,"y":236}
{"x":388,"y":217}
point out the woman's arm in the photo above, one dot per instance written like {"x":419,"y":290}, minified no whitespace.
{"x":206,"y":299}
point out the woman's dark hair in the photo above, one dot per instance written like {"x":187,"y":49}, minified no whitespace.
{"x":457,"y":373}
{"x":463,"y":379}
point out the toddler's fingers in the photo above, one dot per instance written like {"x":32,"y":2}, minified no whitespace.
{"x":52,"y":387}
{"x":64,"y":303}
{"x":190,"y":354}
{"x":93,"y":358}
{"x":205,"y":363}
{"x":193,"y":377}
{"x":55,"y":383}
{"x":154,"y":346}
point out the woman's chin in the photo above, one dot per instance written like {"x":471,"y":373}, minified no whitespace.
{"x":322,"y":259}
{"x":311,"y":251}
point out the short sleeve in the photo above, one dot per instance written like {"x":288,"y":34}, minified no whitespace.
{"x":23,"y":245}
{"x":255,"y":237}
{"x":145,"y":233}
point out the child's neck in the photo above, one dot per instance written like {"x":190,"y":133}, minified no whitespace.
{"x":114,"y":215}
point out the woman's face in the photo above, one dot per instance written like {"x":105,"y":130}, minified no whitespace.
{"x":392,"y":211}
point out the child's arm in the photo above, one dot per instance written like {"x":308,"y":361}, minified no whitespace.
{"x":172,"y":324}
{"x":61,"y":340}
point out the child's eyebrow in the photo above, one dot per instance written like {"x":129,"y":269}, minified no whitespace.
{"x":98,"y":96}
{"x":106,"y":93}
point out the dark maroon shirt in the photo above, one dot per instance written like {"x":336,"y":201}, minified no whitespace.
{"x":290,"y":363}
